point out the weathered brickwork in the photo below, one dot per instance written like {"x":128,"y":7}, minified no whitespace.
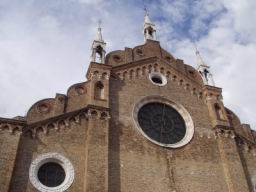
{"x":93,"y":126}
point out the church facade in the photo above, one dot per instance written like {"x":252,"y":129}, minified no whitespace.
{"x":143,"y":121}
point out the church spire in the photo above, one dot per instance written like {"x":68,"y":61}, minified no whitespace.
{"x":149,"y":27}
{"x":204,"y":69}
{"x":98,"y":47}
{"x":99,"y":34}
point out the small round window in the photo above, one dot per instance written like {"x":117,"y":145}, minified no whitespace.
{"x":157,"y":79}
{"x":51,"y":174}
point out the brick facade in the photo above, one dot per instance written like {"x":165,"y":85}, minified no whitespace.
{"x":93,"y":126}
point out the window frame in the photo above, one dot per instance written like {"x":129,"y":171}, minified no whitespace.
{"x":55,"y":158}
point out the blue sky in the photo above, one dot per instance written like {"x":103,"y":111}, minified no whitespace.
{"x":45,"y":45}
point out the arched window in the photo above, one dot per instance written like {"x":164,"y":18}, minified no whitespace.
{"x":149,"y":33}
{"x":99,"y":90}
{"x":219,"y":112}
{"x":99,"y":54}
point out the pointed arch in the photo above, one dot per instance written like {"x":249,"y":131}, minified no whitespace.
{"x":99,"y":90}
{"x":219,"y":112}
{"x":99,"y":55}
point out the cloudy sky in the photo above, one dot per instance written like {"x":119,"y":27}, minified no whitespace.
{"x":45,"y":44}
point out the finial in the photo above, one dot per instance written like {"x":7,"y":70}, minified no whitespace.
{"x":146,"y":10}
{"x":147,"y":19}
{"x":200,"y":61}
{"x":203,"y":69}
{"x":99,"y":35}
{"x":197,"y":52}
{"x":98,"y":47}
{"x":99,"y":24}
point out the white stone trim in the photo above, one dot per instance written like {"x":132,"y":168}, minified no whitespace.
{"x":179,"y":108}
{"x":158,"y":75}
{"x":51,"y":157}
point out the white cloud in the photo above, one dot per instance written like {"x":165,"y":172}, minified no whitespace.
{"x":243,"y":15}
{"x":91,"y":2}
{"x":45,"y":47}
{"x":229,"y":47}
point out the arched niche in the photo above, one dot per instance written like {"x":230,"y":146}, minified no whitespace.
{"x":219,"y":112}
{"x":99,"y":91}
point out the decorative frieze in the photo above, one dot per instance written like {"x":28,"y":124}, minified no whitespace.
{"x":143,"y":70}
{"x":11,"y":128}
{"x":224,"y":133}
{"x":57,"y":124}
{"x":11,"y":125}
{"x":99,"y":75}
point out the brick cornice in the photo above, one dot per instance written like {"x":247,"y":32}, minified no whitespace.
{"x":12,"y":121}
{"x":97,"y":65}
{"x":58,"y":122}
{"x":152,"y":60}
{"x":135,"y":63}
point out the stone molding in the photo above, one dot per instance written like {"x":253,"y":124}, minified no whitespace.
{"x":179,"y":108}
{"x":51,"y":157}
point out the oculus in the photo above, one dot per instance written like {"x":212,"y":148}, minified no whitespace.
{"x":168,"y":58}
{"x":80,"y":90}
{"x":51,"y":172}
{"x":139,"y":52}
{"x":163,"y":122}
{"x":157,"y":78}
{"x":44,"y":108}
{"x":117,"y":58}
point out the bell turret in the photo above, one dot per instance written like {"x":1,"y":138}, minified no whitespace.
{"x":204,"y":70}
{"x":98,"y":48}
{"x":149,"y":28}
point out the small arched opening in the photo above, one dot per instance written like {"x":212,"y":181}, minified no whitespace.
{"x":219,"y":112}
{"x":149,"y":33}
{"x":99,"y":90}
{"x":99,"y":54}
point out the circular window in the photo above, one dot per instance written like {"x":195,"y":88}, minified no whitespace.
{"x":117,"y":58}
{"x":44,"y":108}
{"x":157,"y":79}
{"x":51,"y":172}
{"x":139,"y":52}
{"x":80,"y":89}
{"x":163,"y":122}
{"x":168,"y":58}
